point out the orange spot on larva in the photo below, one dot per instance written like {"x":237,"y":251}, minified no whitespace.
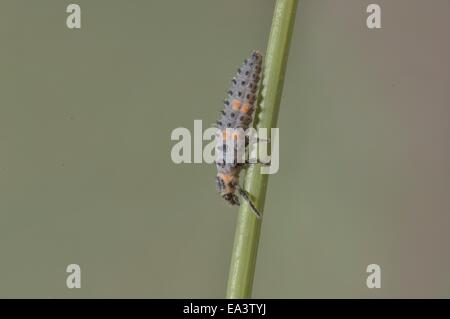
{"x":226,"y":178}
{"x":235,"y":104}
{"x":245,"y":108}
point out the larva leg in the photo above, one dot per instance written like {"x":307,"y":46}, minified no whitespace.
{"x":246,"y":197}
{"x":258,"y":162}
{"x":257,"y":140}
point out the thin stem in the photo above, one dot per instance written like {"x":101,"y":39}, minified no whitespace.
{"x":243,"y":259}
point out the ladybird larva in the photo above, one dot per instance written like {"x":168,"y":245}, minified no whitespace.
{"x":239,"y":107}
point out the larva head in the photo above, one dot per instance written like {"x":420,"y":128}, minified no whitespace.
{"x":231,"y":198}
{"x":226,"y":186}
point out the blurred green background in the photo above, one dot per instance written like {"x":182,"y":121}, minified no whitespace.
{"x":86,"y":175}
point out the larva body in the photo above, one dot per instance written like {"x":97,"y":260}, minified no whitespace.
{"x":238,"y":112}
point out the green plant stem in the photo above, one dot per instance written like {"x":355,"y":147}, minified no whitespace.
{"x":243,"y":259}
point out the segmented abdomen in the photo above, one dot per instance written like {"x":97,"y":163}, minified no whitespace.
{"x":240,"y":102}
